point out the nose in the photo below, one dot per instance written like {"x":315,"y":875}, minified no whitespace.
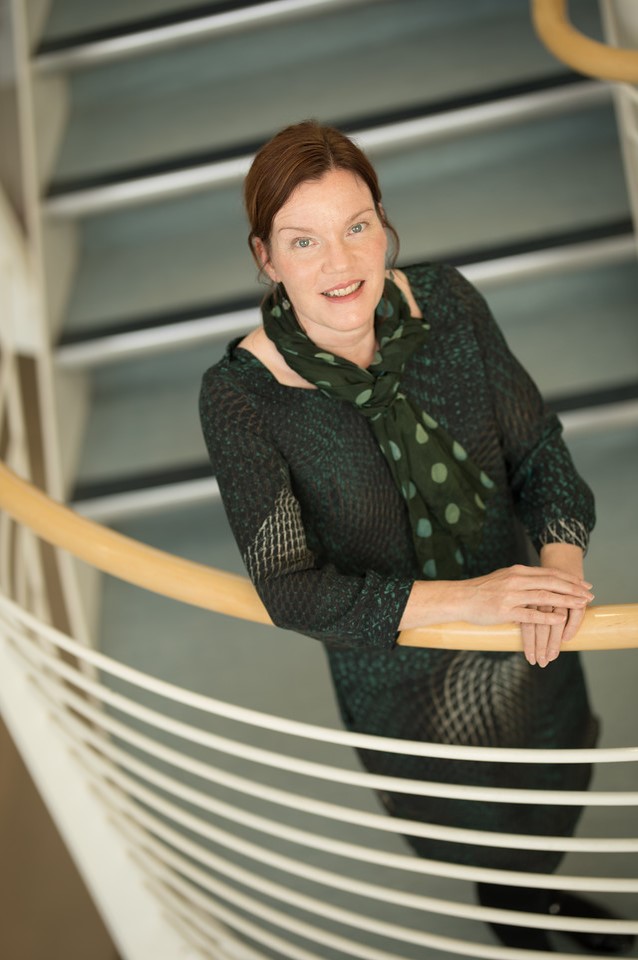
{"x":337,"y":256}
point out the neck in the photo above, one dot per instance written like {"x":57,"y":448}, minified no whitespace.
{"x":357,"y":346}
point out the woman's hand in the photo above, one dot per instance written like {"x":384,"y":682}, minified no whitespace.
{"x":541,"y":642}
{"x":532,"y":596}
{"x":535,"y":596}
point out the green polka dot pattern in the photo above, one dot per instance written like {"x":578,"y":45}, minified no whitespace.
{"x":442,"y":488}
{"x":452,"y":513}
{"x":439,"y":473}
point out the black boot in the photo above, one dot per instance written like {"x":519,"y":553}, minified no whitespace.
{"x":606,"y":944}
{"x":516,"y":898}
{"x":556,"y":903}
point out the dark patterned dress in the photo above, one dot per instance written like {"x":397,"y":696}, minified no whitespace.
{"x":325,"y":537}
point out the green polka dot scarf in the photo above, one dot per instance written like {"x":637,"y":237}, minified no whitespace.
{"x":444,"y":490}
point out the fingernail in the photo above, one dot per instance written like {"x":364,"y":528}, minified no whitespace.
{"x":542,"y":662}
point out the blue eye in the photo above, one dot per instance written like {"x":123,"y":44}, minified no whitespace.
{"x":357,"y":228}
{"x":302,"y":242}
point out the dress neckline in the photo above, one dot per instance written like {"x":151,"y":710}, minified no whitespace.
{"x":246,"y":356}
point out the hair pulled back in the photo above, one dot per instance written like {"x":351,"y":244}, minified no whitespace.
{"x":299,"y":153}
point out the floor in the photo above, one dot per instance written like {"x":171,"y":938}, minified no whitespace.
{"x":46,"y":912}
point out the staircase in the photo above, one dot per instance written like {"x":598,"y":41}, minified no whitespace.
{"x":486,"y":149}
{"x":490,"y":154}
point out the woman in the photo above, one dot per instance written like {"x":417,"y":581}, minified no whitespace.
{"x":378,"y":451}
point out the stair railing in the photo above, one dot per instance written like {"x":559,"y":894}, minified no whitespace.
{"x":238,"y":836}
{"x":595,"y":59}
{"x":604,"y":628}
{"x":616,"y":61}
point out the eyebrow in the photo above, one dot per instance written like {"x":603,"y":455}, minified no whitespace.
{"x":351,"y":219}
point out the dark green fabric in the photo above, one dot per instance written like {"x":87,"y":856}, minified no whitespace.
{"x":444,"y":490}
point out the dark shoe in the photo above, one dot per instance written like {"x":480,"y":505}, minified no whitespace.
{"x":524,"y":938}
{"x":608,"y":944}
{"x":516,"y":898}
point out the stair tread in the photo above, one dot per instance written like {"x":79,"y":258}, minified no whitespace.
{"x":69,"y":21}
{"x":234,"y":89}
{"x":495,"y":187}
{"x":575,"y":331}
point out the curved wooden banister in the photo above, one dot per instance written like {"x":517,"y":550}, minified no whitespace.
{"x":552,"y":24}
{"x":125,"y":558}
{"x":604,"y":627}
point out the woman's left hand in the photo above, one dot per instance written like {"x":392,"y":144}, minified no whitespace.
{"x":542,"y":643}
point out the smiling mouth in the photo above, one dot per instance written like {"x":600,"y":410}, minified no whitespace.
{"x":343,"y":291}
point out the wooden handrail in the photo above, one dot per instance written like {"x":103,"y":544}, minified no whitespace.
{"x":126,"y":558}
{"x":604,"y":627}
{"x":552,"y":24}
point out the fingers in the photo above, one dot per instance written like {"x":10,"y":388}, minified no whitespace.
{"x":544,"y":587}
{"x":548,"y":650}
{"x":550,"y":574}
{"x":542,"y":642}
{"x":551,"y":583}
{"x":548,"y":616}
{"x":549,"y":598}
{"x":528,"y":636}
{"x":542,"y":633}
{"x":574,"y":620}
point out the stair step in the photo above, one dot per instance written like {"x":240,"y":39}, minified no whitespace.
{"x":574,"y":334}
{"x":159,"y":332}
{"x":217,"y":93}
{"x":389,"y":130}
{"x":144,"y":416}
{"x":144,"y":429}
{"x":498,"y":187}
{"x":73,"y":23}
{"x":78,"y":35}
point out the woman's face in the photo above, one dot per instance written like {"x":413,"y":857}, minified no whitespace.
{"x":328,"y":248}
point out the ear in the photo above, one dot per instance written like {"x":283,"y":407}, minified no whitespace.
{"x":263,"y":258}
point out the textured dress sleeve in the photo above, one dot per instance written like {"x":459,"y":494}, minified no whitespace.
{"x":300,"y":594}
{"x":551,"y":499}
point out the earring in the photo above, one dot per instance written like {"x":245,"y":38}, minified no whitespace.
{"x":389,"y":265}
{"x":285,"y":302}
{"x":384,"y":308}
